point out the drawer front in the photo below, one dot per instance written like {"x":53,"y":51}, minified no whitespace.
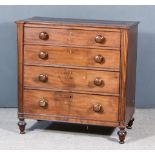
{"x":47,"y":36}
{"x":93,"y":107}
{"x":48,"y":55}
{"x":72,"y":79}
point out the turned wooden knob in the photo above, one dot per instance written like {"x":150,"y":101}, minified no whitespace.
{"x":99,"y":39}
{"x":97,"y":108}
{"x":43,"y":77}
{"x":43,"y":35}
{"x":43,"y":103}
{"x":43,"y":55}
{"x":99,"y":59}
{"x":98,"y":81}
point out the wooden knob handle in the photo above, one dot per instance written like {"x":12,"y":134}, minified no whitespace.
{"x":43,"y":35}
{"x":43,"y":103}
{"x":99,"y":59}
{"x":43,"y":77}
{"x":97,"y":108}
{"x":98,"y":81}
{"x":99,"y":39}
{"x":43,"y":55}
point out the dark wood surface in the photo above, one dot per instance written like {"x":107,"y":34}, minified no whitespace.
{"x":20,"y":47}
{"x":128,"y":74}
{"x":131,"y":73}
{"x":81,"y":22}
{"x":79,"y":71}
{"x":123,"y":69}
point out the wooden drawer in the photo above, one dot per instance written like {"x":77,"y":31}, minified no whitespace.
{"x":92,"y":107}
{"x":60,"y":37}
{"x":48,"y":55}
{"x":72,"y":79}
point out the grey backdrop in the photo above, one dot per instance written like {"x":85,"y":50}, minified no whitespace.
{"x":145,"y":87}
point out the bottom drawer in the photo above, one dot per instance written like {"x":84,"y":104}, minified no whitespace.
{"x":81,"y":106}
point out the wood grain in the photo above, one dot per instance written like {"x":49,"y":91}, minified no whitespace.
{"x":20,"y":48}
{"x":128,"y":73}
{"x":72,"y":79}
{"x":123,"y":78}
{"x":72,"y":57}
{"x":71,"y":91}
{"x":71,"y":37}
{"x":73,"y":27}
{"x":71,"y":104}
{"x":69,"y":119}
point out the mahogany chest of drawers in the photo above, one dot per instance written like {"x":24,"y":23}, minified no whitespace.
{"x":78,"y":71}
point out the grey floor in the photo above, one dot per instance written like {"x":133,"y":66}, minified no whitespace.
{"x":47,"y":135}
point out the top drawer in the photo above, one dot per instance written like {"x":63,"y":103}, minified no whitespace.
{"x":60,"y":37}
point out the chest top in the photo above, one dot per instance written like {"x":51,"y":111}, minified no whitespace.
{"x":80,"y":22}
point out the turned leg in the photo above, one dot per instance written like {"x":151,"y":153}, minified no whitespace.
{"x":122,"y":133}
{"x":129,"y":126}
{"x":22,"y":125}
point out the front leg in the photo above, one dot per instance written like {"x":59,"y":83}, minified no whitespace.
{"x":122,"y":133}
{"x":22,"y":125}
{"x":129,"y":126}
